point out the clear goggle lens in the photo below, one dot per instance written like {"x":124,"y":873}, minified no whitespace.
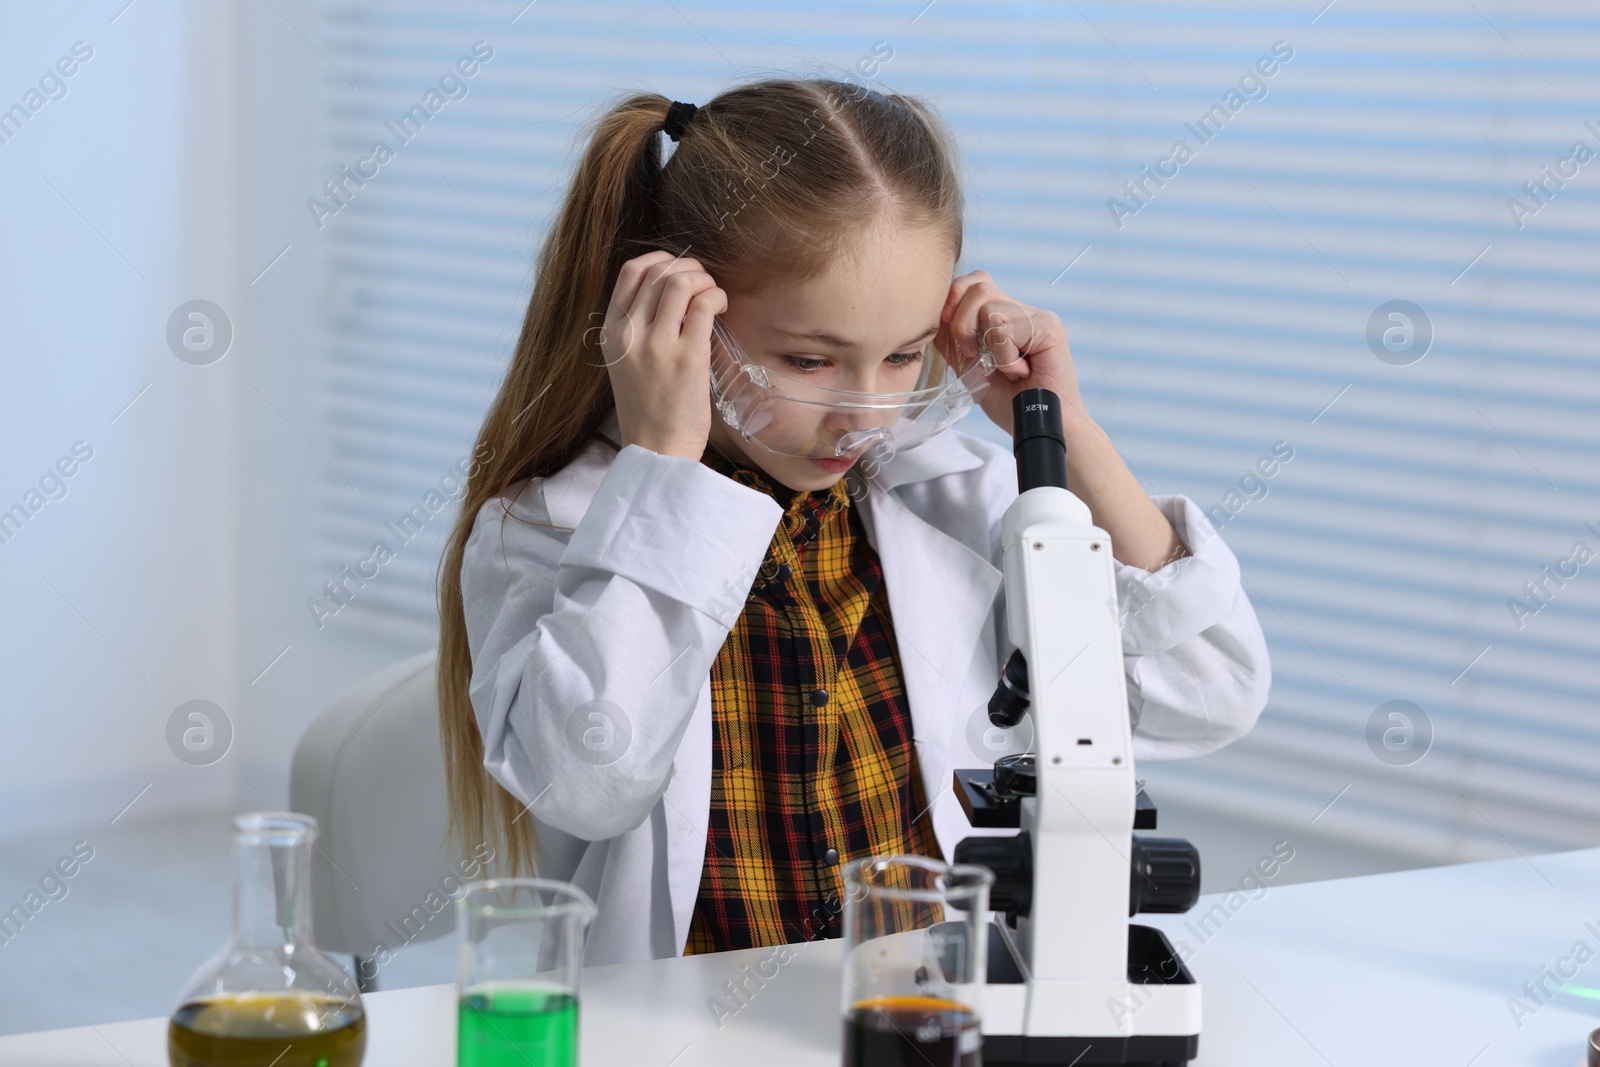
{"x":791,"y":416}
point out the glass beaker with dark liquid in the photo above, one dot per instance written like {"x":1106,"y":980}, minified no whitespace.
{"x":915,"y":962}
{"x":270,"y":996}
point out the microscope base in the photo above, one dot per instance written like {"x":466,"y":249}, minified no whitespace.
{"x":1154,"y":970}
{"x":1145,"y":1051}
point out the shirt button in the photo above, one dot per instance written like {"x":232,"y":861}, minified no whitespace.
{"x":819,"y":697}
{"x":784,"y":570}
{"x":831,"y":857}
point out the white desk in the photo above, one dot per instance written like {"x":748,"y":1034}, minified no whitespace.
{"x":1412,"y":968}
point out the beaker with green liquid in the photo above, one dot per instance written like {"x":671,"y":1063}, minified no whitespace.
{"x":521,"y":957}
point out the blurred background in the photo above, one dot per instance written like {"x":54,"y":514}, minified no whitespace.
{"x":1353,"y":317}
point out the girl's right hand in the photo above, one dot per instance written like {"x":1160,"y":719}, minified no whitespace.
{"x":657,"y":347}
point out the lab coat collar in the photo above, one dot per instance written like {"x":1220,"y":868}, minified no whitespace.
{"x":568,"y":491}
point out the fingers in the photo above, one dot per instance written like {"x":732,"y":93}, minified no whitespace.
{"x":958,"y":289}
{"x":647,"y":307}
{"x":638,"y":290}
{"x":977,"y":316}
{"x":947,"y":339}
{"x":677,"y":289}
{"x":662,"y":312}
{"x":1000,"y":338}
{"x":704,"y":306}
{"x":984,"y":319}
{"x":632,"y":277}
{"x":636,"y":299}
{"x":967,"y":295}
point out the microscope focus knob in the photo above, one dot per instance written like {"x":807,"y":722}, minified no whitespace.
{"x":1011,"y":860}
{"x":1166,"y":875}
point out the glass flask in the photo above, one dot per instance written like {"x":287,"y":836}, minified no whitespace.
{"x":270,"y":998}
{"x":521,"y":958}
{"x":916,"y":939}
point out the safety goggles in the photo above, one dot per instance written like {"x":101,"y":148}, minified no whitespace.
{"x":791,"y":416}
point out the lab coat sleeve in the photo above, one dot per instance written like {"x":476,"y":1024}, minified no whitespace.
{"x":1195,"y":658}
{"x":590,"y":649}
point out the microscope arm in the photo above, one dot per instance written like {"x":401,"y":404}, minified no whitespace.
{"x":1061,"y":614}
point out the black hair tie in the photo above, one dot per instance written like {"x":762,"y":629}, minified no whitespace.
{"x":678,"y":116}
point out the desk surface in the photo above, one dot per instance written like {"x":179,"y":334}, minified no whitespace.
{"x":1409,"y":968}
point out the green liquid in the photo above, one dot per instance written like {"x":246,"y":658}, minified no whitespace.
{"x":505,"y":1024}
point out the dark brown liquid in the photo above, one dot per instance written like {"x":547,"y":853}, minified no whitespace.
{"x":912,"y":1032}
{"x":261,"y":1029}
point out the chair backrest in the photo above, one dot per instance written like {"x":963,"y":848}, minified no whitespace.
{"x":371,"y":770}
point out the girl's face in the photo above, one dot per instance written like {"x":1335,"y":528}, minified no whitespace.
{"x":862,"y":325}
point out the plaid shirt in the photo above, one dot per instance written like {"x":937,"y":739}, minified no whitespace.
{"x":812,"y":756}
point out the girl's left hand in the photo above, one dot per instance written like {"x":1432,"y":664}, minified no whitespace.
{"x":1029,"y":346}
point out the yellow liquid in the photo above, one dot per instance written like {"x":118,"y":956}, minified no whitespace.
{"x":267,"y":1030}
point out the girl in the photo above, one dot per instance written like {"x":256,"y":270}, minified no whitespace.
{"x":695,"y":675}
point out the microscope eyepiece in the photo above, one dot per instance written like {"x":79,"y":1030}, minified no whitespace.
{"x":1010,"y":700}
{"x":1038,"y":440}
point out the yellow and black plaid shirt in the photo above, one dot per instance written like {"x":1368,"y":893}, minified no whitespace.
{"x":812,"y":756}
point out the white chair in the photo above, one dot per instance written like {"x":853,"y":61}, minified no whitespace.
{"x":371,"y":770}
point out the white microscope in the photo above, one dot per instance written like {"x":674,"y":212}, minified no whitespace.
{"x":1070,"y":979}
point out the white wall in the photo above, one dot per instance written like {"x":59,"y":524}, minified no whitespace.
{"x":174,"y":568}
{"x":122,"y":595}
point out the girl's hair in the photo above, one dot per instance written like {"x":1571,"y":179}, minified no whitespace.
{"x":772,"y":180}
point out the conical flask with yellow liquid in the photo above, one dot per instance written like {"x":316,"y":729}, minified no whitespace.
{"x":270,"y":998}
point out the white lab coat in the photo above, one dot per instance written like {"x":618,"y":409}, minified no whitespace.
{"x":633,"y":604}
